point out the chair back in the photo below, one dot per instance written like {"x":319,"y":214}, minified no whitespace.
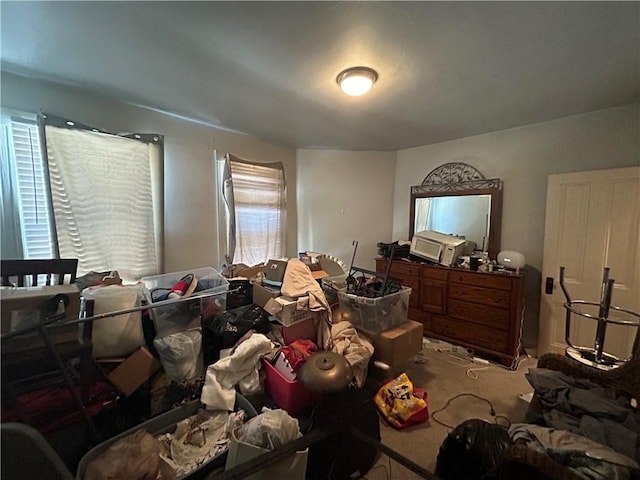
{"x":27,"y":455}
{"x":58,"y":271}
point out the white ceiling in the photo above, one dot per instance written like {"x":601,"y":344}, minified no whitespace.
{"x":447,"y":69}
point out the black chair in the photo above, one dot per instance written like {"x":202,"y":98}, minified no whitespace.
{"x":27,"y":455}
{"x":34,"y":368}
{"x":58,"y":271}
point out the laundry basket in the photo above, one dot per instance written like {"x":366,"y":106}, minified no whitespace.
{"x":166,"y":423}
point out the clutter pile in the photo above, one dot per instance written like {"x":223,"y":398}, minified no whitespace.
{"x":291,"y":330}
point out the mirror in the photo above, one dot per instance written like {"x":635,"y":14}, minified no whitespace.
{"x":456,"y":199}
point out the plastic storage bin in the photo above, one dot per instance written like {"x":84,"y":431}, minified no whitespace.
{"x":182,"y":316}
{"x":291,"y":396}
{"x":375,"y":315}
{"x":331,"y":286}
{"x":166,"y":423}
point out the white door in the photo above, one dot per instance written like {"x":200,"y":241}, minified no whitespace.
{"x":592,"y":222}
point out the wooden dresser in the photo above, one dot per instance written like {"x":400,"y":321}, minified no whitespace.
{"x":477,"y":310}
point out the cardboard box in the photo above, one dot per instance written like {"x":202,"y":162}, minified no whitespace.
{"x":250,"y":272}
{"x":274,"y":272}
{"x":302,"y":329}
{"x":134,"y":371}
{"x":319,"y":274}
{"x":22,"y":307}
{"x":288,"y":310}
{"x":262,"y":294}
{"x":396,"y":345}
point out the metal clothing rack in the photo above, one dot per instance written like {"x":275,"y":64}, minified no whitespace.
{"x":596,"y":356}
{"x":86,"y":317}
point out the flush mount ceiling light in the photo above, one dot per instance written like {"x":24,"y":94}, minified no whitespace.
{"x":356,"y":81}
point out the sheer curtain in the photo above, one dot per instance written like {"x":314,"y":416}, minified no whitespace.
{"x":106,"y":193}
{"x":255,"y":198}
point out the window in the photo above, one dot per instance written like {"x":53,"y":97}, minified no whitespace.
{"x":255,"y":197}
{"x":92,"y":195}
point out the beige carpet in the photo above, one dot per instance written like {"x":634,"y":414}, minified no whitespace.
{"x":445,"y":373}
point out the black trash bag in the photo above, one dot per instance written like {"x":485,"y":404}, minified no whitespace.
{"x":343,"y":456}
{"x":474,"y":450}
{"x":226,"y":328}
{"x":240,"y":293}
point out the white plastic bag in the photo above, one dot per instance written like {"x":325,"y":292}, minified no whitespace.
{"x":270,"y":429}
{"x":120,"y":335}
{"x":181,"y":354}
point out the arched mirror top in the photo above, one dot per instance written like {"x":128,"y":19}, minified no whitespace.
{"x":455,"y":198}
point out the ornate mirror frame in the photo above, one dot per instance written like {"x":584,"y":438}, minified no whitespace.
{"x":459,"y":179}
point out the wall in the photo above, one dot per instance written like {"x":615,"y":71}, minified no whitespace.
{"x":523,"y":158}
{"x":345,"y":196}
{"x":339,"y":196}
{"x":191,"y":236}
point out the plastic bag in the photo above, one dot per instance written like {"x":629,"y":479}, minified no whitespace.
{"x":136,"y":456}
{"x":473,"y":450}
{"x":401,"y":404}
{"x":269,"y":430}
{"x":120,"y":335}
{"x":181,"y":354}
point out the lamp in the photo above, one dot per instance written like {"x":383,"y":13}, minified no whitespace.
{"x":356,"y":81}
{"x":511,"y":259}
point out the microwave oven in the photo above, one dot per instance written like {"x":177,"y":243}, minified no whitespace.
{"x":437,"y":247}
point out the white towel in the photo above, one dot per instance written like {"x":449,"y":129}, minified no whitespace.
{"x":354,"y":346}
{"x":240,"y":368}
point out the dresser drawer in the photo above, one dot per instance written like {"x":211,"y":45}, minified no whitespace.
{"x":399,"y":268}
{"x":488,"y":280}
{"x":479,"y":314}
{"x":472,"y":334}
{"x":481,"y":295}
{"x":435,"y":273}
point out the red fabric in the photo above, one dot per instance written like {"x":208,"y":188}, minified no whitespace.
{"x":52,"y":408}
{"x":298,"y":351}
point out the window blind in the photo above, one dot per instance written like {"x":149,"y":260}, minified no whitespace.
{"x":34,"y":204}
{"x":101,"y":187}
{"x":259,"y":205}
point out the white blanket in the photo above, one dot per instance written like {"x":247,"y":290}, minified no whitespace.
{"x":241,"y":368}
{"x":355,"y":347}
{"x":298,"y":282}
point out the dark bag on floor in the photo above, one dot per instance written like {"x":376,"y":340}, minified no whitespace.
{"x":473,"y":450}
{"x":240,"y":293}
{"x":226,"y":328}
{"x":344,"y":456}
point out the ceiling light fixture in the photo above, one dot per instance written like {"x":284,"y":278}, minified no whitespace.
{"x":356,"y":81}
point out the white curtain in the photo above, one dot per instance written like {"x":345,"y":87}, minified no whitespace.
{"x":103,"y":201}
{"x":255,"y":197}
